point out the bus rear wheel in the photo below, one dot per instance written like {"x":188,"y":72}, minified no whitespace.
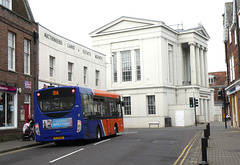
{"x":115,"y":130}
{"x":98,"y":134}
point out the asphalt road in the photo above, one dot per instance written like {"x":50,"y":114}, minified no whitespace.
{"x":132,"y":147}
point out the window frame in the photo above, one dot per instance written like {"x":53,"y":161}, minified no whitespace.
{"x":114,"y":59}
{"x":85,"y":70}
{"x":138,"y":64}
{"x":151,"y":104}
{"x":51,"y":66}
{"x":12,"y":51}
{"x":97,"y":75}
{"x":127,"y":105}
{"x":70,"y":71}
{"x":126,"y":66}
{"x":27,"y":54}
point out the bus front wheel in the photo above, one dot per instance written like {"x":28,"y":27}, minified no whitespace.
{"x":98,"y":134}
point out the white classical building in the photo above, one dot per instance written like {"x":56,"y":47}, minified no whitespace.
{"x":65,"y":63}
{"x":156,"y":69}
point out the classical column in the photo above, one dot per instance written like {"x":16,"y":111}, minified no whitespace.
{"x":206,"y":110}
{"x":198,"y":65}
{"x":180,"y":69}
{"x":201,"y":107}
{"x":193,"y":64}
{"x":202,"y":67}
{"x":206,"y":67}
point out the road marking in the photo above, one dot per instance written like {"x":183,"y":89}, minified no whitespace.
{"x":66,"y":155}
{"x":124,"y":133}
{"x":188,"y":148}
{"x":101,"y":142}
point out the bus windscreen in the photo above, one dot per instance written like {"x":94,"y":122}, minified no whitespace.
{"x":54,"y":100}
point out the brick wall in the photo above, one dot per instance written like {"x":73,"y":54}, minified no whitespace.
{"x":23,"y":29}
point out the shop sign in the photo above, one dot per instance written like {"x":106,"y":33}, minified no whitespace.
{"x":7,"y":88}
{"x":28,"y":84}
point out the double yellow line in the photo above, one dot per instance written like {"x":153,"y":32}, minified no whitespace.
{"x":187,"y":149}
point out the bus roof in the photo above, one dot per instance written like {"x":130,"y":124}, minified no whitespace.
{"x":105,"y":94}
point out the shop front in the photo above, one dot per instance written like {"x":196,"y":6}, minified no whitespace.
{"x":8,"y":107}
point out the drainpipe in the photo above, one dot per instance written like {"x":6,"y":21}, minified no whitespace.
{"x":237,"y":27}
{"x":226,"y":57}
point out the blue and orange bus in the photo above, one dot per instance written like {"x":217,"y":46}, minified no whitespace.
{"x":71,"y":112}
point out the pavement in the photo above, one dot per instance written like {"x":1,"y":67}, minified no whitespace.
{"x":223,"y":146}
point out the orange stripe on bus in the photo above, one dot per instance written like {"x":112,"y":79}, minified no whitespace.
{"x":106,"y":94}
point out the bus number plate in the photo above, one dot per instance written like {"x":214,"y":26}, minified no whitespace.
{"x":58,"y":138}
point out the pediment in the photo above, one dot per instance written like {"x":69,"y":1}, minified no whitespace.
{"x":203,"y":33}
{"x":201,"y":30}
{"x":124,"y":24}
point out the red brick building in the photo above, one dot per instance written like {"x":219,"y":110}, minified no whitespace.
{"x":218,"y":81}
{"x":18,"y":66}
{"x":231,"y":26}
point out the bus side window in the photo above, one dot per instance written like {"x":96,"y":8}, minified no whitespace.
{"x":112,"y":106}
{"x":102,"y":108}
{"x":119,"y":111}
{"x":87,"y":105}
{"x":96,"y":108}
{"x":107,"y":107}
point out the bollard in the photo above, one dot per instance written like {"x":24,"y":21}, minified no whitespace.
{"x":206,"y":134}
{"x":208,"y":128}
{"x":204,"y":152}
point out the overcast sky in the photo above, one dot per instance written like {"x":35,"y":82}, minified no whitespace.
{"x":75,"y":19}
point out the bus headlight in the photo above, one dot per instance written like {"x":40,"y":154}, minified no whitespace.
{"x":37,"y":129}
{"x":79,"y":126}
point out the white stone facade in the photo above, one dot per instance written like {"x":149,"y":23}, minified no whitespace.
{"x":65,"y":63}
{"x":171,"y":67}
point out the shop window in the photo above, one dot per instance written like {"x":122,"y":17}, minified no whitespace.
{"x":7,"y":110}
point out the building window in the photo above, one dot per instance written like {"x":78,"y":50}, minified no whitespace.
{"x":6,"y":3}
{"x":97,"y":72}
{"x":26,"y":56}
{"x":26,"y":99}
{"x":138,"y":64}
{"x":114,"y":56}
{"x":232,"y":71}
{"x":85,"y":75}
{"x":127,"y":105}
{"x":211,"y":79}
{"x":126,"y":66}
{"x":51,"y":66}
{"x":151,"y":105}
{"x":11,"y":51}
{"x":230,"y":36}
{"x":70,"y":71}
{"x":7,"y":110}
